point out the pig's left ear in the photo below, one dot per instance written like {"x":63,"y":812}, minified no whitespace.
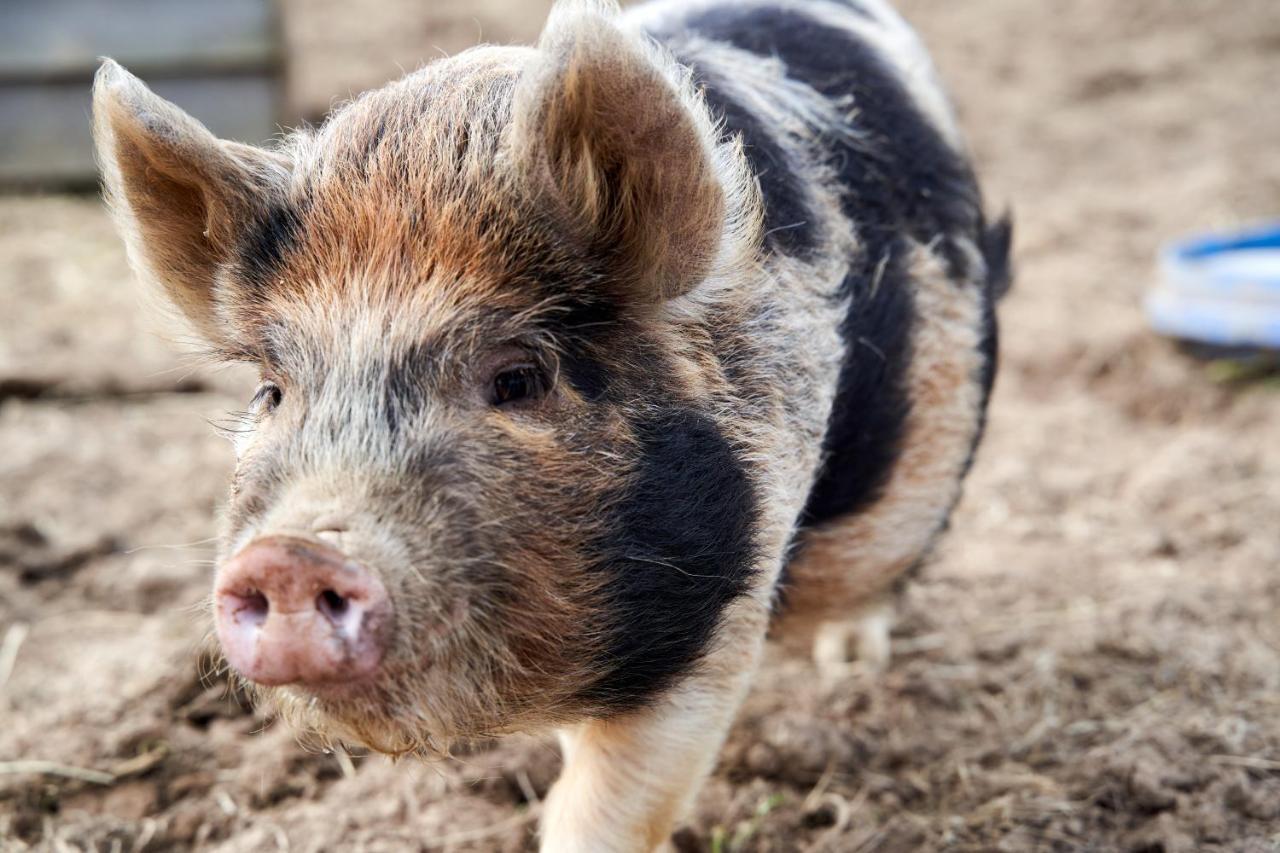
{"x":180,"y":195}
{"x":601,"y":121}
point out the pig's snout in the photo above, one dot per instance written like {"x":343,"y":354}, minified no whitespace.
{"x":291,"y":611}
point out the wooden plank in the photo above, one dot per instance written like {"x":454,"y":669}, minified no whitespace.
{"x":45,"y":136}
{"x":49,"y":39}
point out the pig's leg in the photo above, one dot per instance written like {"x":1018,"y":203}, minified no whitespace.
{"x":629,"y":781}
{"x":841,"y":647}
{"x":840,"y":599}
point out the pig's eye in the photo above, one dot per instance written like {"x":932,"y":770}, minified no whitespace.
{"x":268,"y":398}
{"x":519,"y":384}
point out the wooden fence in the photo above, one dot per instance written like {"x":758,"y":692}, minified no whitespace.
{"x":218,"y":59}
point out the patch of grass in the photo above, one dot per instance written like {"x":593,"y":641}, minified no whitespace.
{"x":1262,"y":370}
{"x":721,"y":842}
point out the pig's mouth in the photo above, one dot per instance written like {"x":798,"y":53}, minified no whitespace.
{"x":392,"y":714}
{"x":339,"y":666}
{"x":316,"y":636}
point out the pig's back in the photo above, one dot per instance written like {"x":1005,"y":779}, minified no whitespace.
{"x":859,"y":161}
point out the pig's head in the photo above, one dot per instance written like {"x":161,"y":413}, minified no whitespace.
{"x":478,"y":488}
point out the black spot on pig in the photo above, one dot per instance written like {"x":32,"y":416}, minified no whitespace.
{"x":897,"y":172}
{"x":267,"y":239}
{"x":865,"y":430}
{"x":585,"y":327}
{"x":681,"y":548}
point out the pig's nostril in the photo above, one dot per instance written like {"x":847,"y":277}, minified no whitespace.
{"x":252,"y":608}
{"x":332,"y":605}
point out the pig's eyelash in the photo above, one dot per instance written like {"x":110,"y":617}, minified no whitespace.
{"x":234,"y":424}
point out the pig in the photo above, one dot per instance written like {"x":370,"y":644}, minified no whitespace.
{"x":585,"y":368}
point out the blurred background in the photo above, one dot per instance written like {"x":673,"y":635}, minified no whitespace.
{"x":243,"y":67}
{"x":1092,"y":660}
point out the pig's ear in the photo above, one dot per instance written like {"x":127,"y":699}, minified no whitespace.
{"x":180,"y":195}
{"x":601,"y":118}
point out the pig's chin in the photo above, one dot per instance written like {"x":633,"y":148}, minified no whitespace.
{"x":375,"y":716}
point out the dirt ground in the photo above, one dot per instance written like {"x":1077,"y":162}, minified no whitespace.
{"x":1091,"y":663}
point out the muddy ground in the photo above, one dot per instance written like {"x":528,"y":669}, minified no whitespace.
{"x":1091,"y":663}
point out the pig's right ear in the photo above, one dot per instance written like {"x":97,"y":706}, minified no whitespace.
{"x":179,"y":194}
{"x":601,"y":121}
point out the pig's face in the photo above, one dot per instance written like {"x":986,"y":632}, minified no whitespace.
{"x":480,"y":487}
{"x":464,"y":452}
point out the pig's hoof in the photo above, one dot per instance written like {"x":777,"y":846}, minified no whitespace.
{"x":856,"y":646}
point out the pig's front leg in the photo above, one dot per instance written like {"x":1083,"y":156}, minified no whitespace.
{"x":628,"y":781}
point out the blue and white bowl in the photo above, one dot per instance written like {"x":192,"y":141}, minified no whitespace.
{"x":1221,"y":290}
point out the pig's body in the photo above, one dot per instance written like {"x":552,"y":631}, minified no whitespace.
{"x":573,"y":378}
{"x":873,"y":228}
